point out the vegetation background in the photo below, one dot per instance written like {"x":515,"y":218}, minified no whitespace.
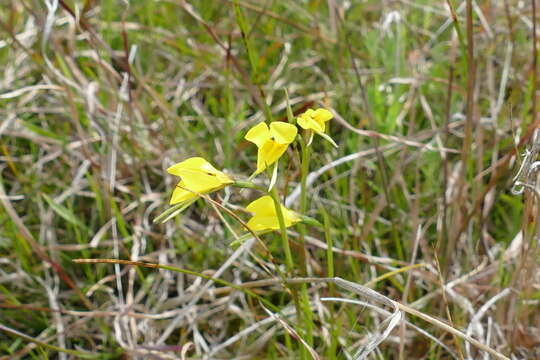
{"x":434,"y":104}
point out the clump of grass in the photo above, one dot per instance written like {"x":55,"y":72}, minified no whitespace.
{"x":434,"y":105}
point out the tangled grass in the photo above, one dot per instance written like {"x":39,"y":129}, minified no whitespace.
{"x":429,"y":244}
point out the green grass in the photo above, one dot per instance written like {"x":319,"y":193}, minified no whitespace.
{"x":86,"y":137}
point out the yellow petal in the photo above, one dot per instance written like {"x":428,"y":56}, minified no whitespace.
{"x":262,"y":206}
{"x":282,"y":132}
{"x":322,"y":115}
{"x":180,"y":194}
{"x":268,"y":154}
{"x":259,"y":134}
{"x":199,"y":175}
{"x":258,"y":223}
{"x":290,"y":216}
{"x":315,"y":120}
{"x":261,"y":164}
{"x":265,"y":217}
{"x":308,"y":123}
{"x":194,"y":163}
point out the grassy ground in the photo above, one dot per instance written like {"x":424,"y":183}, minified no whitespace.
{"x":434,"y":109}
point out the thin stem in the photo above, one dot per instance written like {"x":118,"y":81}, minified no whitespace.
{"x":534,"y":63}
{"x":445,"y":236}
{"x":245,"y":184}
{"x":283,"y":231}
{"x":288,"y":260}
{"x":58,"y":349}
{"x":331,"y":353}
{"x":307,"y":318}
{"x":303,"y":202}
{"x":180,"y":270}
{"x":308,"y":314}
{"x":253,"y":59}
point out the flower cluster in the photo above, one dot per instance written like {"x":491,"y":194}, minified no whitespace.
{"x":199,"y":177}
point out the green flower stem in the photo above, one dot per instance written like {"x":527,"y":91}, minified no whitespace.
{"x":288,"y":262}
{"x":307,"y":318}
{"x":283,"y":230}
{"x":308,"y":315}
{"x":303,"y":194}
{"x":334,"y":329}
{"x":303,"y":202}
{"x":248,"y":185}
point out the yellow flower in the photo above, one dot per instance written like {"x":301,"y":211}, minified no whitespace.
{"x":315,"y":120}
{"x":265,"y":217}
{"x":272,"y":142}
{"x":197,"y":176}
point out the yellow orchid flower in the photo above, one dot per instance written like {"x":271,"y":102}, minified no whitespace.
{"x":265,"y":217}
{"x":316,"y":120}
{"x":271,"y":141}
{"x":197,"y":176}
